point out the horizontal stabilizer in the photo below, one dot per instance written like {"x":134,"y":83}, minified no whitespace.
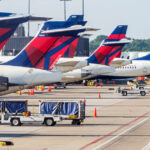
{"x":85,"y":35}
{"x":92,"y":29}
{"x":35,"y":18}
{"x":70,"y":29}
{"x":123,"y":41}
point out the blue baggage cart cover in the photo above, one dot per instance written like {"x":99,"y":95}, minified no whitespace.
{"x":49,"y":108}
{"x":69,"y":108}
{"x":14,"y":106}
{"x":62,"y":108}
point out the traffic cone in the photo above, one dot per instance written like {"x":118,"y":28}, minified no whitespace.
{"x":142,"y":78}
{"x":85,"y":102}
{"x":42,"y":88}
{"x":36,"y":88}
{"x":49,"y":89}
{"x":20,"y":93}
{"x":101,"y":84}
{"x":95,"y":84}
{"x":28,"y":92}
{"x":95,"y":113}
{"x":32,"y":91}
{"x":137,"y":78}
{"x":99,"y":96}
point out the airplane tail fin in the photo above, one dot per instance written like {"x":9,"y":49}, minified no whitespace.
{"x":49,"y":44}
{"x":8,"y":24}
{"x":110,"y":47}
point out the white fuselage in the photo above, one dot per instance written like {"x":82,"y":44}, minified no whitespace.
{"x":137,"y":68}
{"x":25,"y":75}
{"x":86,"y":72}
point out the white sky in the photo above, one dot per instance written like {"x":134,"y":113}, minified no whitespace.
{"x":103,"y":14}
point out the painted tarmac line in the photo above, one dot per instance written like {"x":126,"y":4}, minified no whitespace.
{"x":115,"y":137}
{"x":118,"y":129}
{"x":147,"y":147}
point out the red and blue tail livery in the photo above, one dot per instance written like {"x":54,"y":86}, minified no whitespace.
{"x":8,"y":24}
{"x":110,"y":47}
{"x":52,"y":42}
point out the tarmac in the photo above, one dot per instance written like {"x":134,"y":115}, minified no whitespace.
{"x":122,"y":122}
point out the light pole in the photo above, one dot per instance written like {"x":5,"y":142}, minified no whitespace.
{"x":83,"y":7}
{"x":65,"y":8}
{"x":29,"y":15}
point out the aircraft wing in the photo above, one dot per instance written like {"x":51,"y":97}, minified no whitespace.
{"x":71,"y":65}
{"x":118,"y":62}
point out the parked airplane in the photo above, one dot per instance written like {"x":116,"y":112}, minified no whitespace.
{"x":10,"y":21}
{"x":139,"y":67}
{"x":52,"y":42}
{"x":104,"y":55}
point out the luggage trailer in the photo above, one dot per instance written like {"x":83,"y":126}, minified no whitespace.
{"x":67,"y":110}
{"x":15,"y":113}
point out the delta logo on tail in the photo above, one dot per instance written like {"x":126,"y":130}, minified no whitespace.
{"x":56,"y":51}
{"x":70,"y":52}
{"x":111,"y":47}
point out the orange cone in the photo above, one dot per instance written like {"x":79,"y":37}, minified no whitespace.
{"x":49,"y":89}
{"x":99,"y":96}
{"x":42,"y":88}
{"x":101,"y":84}
{"x":85,"y":102}
{"x":33,"y":92}
{"x":28,"y":92}
{"x":20,"y":92}
{"x":36,"y":88}
{"x":95,"y":84}
{"x":95,"y":113}
{"x":142,"y":78}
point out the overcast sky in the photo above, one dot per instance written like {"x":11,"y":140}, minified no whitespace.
{"x":104,"y":14}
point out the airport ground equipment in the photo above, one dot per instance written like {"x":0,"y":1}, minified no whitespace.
{"x":142,"y":92}
{"x":59,"y":85}
{"x":67,"y":110}
{"x":15,"y":113}
{"x":3,"y":83}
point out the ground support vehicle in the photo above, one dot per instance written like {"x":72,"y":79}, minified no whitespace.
{"x":18,"y":120}
{"x":142,"y":92}
{"x":67,"y":110}
{"x":60,"y":85}
{"x":15,"y":113}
